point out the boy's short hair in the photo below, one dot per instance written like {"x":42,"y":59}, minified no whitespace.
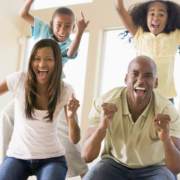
{"x":64,"y":10}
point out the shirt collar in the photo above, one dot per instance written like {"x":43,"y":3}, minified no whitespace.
{"x":160,"y":102}
{"x":67,"y":41}
{"x":51,"y":34}
{"x":125,"y":108}
{"x":150,"y":104}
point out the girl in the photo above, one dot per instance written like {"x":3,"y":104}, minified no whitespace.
{"x":40,"y":96}
{"x":155,"y":28}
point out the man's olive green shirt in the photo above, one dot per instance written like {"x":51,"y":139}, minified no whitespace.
{"x":135,"y":144}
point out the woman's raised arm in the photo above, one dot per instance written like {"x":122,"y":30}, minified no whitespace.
{"x":72,"y":119}
{"x":3,"y":87}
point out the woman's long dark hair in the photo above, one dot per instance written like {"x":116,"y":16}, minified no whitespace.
{"x":55,"y":85}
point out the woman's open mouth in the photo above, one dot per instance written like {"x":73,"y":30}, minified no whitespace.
{"x":42,"y":73}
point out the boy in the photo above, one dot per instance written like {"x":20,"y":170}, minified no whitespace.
{"x":60,"y":28}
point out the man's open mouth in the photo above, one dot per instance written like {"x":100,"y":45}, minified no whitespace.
{"x":140,"y":91}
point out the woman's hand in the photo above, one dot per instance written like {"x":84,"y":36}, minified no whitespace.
{"x":72,"y":119}
{"x":72,"y":106}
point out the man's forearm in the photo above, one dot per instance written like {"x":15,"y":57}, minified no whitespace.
{"x":172,"y":156}
{"x":92,"y":146}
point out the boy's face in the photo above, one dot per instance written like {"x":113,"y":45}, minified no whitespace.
{"x":62,"y":26}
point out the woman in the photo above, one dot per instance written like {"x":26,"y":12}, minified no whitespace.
{"x":40,"y":96}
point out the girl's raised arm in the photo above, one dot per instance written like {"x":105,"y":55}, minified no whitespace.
{"x":3,"y":87}
{"x":125,"y":17}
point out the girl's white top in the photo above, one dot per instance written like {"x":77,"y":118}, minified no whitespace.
{"x":34,"y":139}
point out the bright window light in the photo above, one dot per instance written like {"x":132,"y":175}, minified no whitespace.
{"x":176,"y":81}
{"x":29,"y":45}
{"x":116,"y":57}
{"x":75,"y":71}
{"x":44,"y":4}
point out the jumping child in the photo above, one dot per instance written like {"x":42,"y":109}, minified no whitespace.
{"x":155,"y":28}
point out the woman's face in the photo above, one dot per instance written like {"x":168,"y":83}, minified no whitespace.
{"x":43,"y":65}
{"x":157,"y":16}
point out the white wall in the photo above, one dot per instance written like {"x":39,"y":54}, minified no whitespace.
{"x":9,"y":49}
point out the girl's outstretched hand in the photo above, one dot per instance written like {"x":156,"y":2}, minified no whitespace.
{"x":72,"y":106}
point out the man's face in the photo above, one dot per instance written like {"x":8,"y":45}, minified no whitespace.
{"x":62,"y":26}
{"x":140,"y":80}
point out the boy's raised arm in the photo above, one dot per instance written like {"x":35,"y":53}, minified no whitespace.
{"x":3,"y":87}
{"x":24,"y":12}
{"x":125,"y":17}
{"x":80,"y":27}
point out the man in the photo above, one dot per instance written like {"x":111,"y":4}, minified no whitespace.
{"x":141,"y":130}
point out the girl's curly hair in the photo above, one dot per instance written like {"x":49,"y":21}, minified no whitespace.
{"x":139,"y":11}
{"x":139,"y":14}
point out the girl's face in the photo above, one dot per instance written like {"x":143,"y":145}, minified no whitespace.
{"x":43,"y":65}
{"x":157,"y":17}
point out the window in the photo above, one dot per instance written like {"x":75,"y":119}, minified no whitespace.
{"x":75,"y":69}
{"x":116,"y":56}
{"x":42,"y":4}
{"x":29,"y":46}
{"x":176,"y":81}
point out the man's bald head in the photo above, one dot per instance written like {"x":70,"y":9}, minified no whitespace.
{"x":141,"y":80}
{"x":144,"y":61}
